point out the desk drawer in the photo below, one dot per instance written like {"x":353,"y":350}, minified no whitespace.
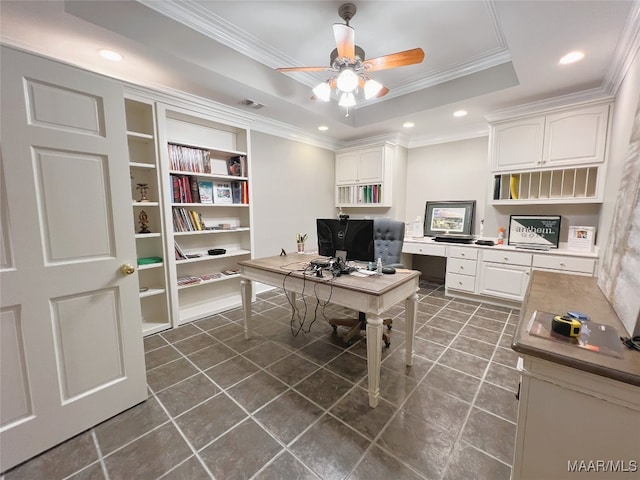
{"x":455,"y":281}
{"x":463,"y":252}
{"x":569,"y":264}
{"x":460,"y":266}
{"x":424,"y":249}
{"x":506,"y":257}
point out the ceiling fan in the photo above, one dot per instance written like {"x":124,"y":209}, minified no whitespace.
{"x":350,"y":67}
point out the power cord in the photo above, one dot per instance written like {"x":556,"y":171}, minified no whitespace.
{"x":632,"y":343}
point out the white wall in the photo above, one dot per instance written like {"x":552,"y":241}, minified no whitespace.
{"x":293,"y":184}
{"x":447,"y":171}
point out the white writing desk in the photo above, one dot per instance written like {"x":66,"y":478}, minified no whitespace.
{"x":371,"y":295}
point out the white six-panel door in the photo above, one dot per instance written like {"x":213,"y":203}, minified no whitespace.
{"x":70,"y":333}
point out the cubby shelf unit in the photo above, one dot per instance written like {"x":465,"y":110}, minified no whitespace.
{"x":566,"y":185}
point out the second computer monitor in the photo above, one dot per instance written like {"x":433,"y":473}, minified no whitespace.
{"x":353,"y":236}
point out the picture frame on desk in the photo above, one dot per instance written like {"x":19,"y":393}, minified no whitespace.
{"x":445,"y":218}
{"x":534,"y":230}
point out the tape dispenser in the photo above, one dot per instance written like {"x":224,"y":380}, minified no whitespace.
{"x":566,"y":325}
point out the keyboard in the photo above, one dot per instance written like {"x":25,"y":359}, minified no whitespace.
{"x":454,"y":238}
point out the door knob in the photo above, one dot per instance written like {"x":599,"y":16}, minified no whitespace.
{"x":127,"y":269}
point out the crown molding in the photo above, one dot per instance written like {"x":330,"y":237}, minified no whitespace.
{"x":477,"y":130}
{"x":202,"y":20}
{"x":626,"y":50}
{"x":577,"y":98}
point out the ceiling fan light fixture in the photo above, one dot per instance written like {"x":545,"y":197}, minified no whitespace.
{"x":347,"y":81}
{"x":347,"y":100}
{"x":323,"y":91}
{"x":371,"y":88}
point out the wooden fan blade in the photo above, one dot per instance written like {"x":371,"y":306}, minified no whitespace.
{"x":400,"y":59}
{"x":345,"y":41}
{"x":302,"y":69}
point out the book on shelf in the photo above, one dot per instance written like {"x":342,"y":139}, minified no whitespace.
{"x":181,"y":188}
{"x":180,"y":255}
{"x":236,"y":192}
{"x":195,"y":189}
{"x":189,"y":159}
{"x":222,"y":193}
{"x":205,"y":191}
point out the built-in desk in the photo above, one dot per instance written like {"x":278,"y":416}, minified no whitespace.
{"x":579,"y":410}
{"x":498,"y":274}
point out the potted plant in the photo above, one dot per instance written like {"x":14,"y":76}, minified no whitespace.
{"x":300,"y":239}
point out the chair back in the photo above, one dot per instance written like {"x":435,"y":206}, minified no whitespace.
{"x":388,"y":238}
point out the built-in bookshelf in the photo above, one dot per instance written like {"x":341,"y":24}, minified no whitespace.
{"x":147,"y":219}
{"x":208,"y":210}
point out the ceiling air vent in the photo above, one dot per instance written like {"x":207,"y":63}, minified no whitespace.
{"x":251,"y":104}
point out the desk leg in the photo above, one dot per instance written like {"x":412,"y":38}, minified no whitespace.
{"x":410,"y":311}
{"x":374,"y":357}
{"x":246,"y":288}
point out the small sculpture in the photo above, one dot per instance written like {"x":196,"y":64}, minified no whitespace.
{"x":143,"y":220}
{"x":144,"y":189}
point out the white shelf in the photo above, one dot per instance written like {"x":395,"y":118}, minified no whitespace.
{"x":216,"y":176}
{"x":224,"y":278}
{"x":208,"y":232}
{"x":206,"y":257}
{"x":152,"y":291}
{"x":151,"y":266}
{"x":145,"y":204}
{"x":139,"y":136}
{"x":141,"y":165}
{"x":210,"y":205}
{"x":147,"y":235}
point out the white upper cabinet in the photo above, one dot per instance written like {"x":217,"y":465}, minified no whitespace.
{"x":360,"y":167}
{"x":573,"y":136}
{"x":576,"y":136}
{"x":364,"y":176}
{"x":518,"y":144}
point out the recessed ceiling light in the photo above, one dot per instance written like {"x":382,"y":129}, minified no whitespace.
{"x":323,"y":128}
{"x":459,"y":113}
{"x":408,"y":124}
{"x":572,"y":57}
{"x":110,"y":55}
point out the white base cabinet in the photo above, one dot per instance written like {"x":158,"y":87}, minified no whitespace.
{"x":574,"y":424}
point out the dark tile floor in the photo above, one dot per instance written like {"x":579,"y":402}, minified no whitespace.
{"x":295,"y":407}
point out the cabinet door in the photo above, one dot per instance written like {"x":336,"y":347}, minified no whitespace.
{"x":517,"y":144}
{"x":577,"y":136}
{"x":347,"y":168}
{"x":504,"y":281}
{"x":371,"y":165}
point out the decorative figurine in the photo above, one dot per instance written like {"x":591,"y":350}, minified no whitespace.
{"x":144,"y":222}
{"x":144,"y":189}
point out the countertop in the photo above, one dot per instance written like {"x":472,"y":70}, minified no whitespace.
{"x":561,"y":250}
{"x":559,"y":293}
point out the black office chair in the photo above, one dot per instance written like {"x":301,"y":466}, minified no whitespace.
{"x":388,"y":238}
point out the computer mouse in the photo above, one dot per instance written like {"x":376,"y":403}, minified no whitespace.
{"x":388,"y":270}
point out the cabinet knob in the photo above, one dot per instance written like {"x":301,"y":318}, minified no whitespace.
{"x":562,"y":264}
{"x":506,"y":259}
{"x":127,"y":269}
{"x":461,"y":267}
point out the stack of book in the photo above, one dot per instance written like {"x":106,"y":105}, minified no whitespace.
{"x":189,"y":159}
{"x":187,"y":220}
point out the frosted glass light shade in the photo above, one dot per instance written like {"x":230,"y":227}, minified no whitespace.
{"x":323,"y":91}
{"x":347,"y":100}
{"x":371,"y":88}
{"x":347,"y":81}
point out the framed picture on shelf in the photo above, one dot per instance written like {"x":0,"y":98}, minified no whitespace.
{"x":541,"y":231}
{"x":222,"y":193}
{"x":446,"y":218}
{"x":205,"y":189}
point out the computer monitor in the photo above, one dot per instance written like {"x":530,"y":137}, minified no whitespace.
{"x":353,"y":236}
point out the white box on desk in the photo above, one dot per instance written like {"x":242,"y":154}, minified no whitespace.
{"x":581,"y":238}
